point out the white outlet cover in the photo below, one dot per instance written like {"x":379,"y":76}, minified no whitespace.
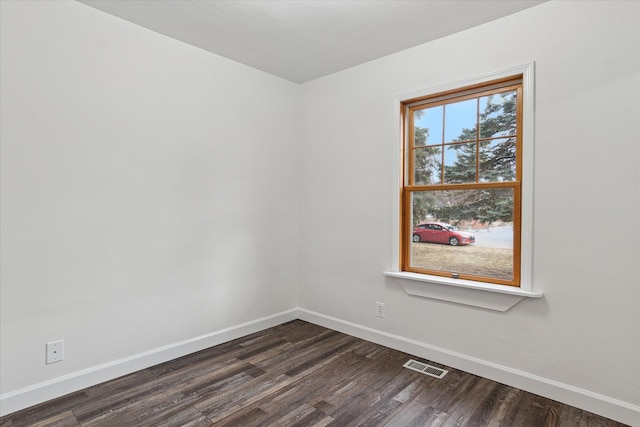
{"x":55,"y":351}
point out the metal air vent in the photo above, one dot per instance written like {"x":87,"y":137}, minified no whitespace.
{"x":425,"y":369}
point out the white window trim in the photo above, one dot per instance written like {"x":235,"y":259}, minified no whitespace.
{"x":468,"y":292}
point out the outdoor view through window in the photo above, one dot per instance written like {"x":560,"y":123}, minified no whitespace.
{"x":462,"y":184}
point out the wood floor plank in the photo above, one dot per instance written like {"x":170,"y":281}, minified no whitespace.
{"x":246,"y":418}
{"x":476,"y":409}
{"x":149,"y":411}
{"x":528,"y":409}
{"x":361,"y":382}
{"x":179,"y":416}
{"x":64,"y":419}
{"x":300,"y":374}
{"x":44,"y":412}
{"x":201,"y":380}
{"x":220,"y":407}
{"x":416,"y":414}
{"x":377,"y":414}
{"x":553,"y":414}
{"x":450,"y":394}
{"x":98,"y":407}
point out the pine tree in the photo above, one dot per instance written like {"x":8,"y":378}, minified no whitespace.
{"x":496,"y":155}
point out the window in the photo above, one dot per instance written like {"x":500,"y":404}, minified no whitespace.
{"x":461,"y":213}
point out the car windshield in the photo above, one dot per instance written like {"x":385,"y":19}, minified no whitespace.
{"x":449,"y":227}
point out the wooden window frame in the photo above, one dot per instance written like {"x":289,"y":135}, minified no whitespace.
{"x":474,"y":91}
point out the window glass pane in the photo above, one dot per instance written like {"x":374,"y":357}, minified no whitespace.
{"x":460,"y":121}
{"x":498,"y":114}
{"x":428,"y":126}
{"x":460,"y":163}
{"x":427,"y":165}
{"x":498,"y":160}
{"x":477,"y":237}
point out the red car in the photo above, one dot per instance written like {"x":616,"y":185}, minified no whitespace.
{"x":440,"y":232}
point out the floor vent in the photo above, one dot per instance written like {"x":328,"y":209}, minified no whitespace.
{"x":425,"y":369}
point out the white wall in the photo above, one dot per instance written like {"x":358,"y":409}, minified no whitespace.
{"x":585,"y":332}
{"x":146,"y":191}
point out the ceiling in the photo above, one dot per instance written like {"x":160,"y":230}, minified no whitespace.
{"x":300,"y":40}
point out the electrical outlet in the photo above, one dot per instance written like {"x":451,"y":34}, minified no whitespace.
{"x":380,"y":311}
{"x":55,"y":351}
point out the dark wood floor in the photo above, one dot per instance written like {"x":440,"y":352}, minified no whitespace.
{"x":300,"y":374}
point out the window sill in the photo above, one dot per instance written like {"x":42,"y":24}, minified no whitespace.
{"x":467,"y":292}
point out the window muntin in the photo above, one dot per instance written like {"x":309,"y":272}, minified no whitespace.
{"x":462,"y":167}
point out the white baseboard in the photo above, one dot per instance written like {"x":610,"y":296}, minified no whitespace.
{"x":602,"y":405}
{"x":28,"y":396}
{"x":614,"y":409}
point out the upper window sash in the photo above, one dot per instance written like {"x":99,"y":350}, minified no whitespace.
{"x":441,"y":142}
